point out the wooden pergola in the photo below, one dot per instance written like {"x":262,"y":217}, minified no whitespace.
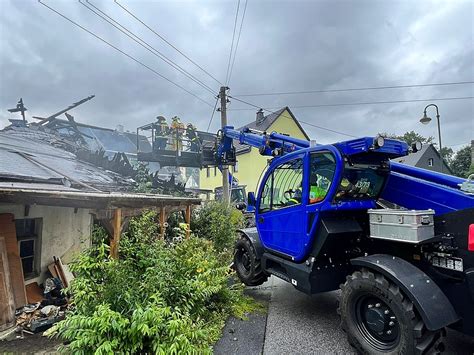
{"x":112,"y":209}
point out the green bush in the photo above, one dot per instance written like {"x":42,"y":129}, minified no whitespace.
{"x":217,"y":222}
{"x":156,"y":298}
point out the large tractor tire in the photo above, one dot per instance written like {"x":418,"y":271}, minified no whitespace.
{"x":379,"y":319}
{"x":247,"y":265}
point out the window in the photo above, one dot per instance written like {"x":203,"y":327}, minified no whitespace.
{"x":361,"y":181}
{"x":322,"y":170}
{"x":208,"y":172}
{"x":430,"y":162}
{"x":283,"y":187}
{"x":29,"y":243}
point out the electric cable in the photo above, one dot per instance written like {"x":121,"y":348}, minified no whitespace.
{"x":361,"y":103}
{"x":124,"y":53}
{"x":309,"y":124}
{"x":212,"y":116}
{"x":238,"y":40}
{"x":355,"y":89}
{"x":139,"y":40}
{"x":166,"y":41}
{"x":232,"y":43}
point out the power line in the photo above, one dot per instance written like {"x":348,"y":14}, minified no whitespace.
{"x":326,"y":129}
{"x":166,"y":41}
{"x":455,"y":145}
{"x":212,"y":116}
{"x":238,"y":40}
{"x":140,"y":41}
{"x":309,"y":124}
{"x":124,"y":53}
{"x":232,"y":43}
{"x":356,"y":89}
{"x":361,"y":103}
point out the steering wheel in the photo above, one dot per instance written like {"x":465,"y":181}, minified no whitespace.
{"x":288,"y":194}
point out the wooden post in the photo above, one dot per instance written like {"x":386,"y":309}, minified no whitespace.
{"x":162,"y":222}
{"x":117,"y":225}
{"x":188,"y":221}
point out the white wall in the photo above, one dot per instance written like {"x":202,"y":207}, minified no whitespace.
{"x":64,"y":233}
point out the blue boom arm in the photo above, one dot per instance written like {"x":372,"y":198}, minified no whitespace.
{"x":407,"y":186}
{"x":268,"y":144}
{"x":416,"y":188}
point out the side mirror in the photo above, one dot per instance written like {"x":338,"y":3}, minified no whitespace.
{"x":251,"y":199}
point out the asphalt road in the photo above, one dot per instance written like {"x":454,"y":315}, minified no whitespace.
{"x":301,"y":324}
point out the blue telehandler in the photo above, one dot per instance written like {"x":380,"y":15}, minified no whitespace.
{"x":397,"y":240}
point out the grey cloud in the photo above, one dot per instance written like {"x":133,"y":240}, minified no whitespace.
{"x":284,"y":46}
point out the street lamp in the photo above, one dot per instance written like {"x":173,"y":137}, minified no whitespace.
{"x":425,"y":120}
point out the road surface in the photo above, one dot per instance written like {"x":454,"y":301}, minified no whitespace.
{"x":301,"y":324}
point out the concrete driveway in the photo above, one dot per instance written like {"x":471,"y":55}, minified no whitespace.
{"x":300,"y":324}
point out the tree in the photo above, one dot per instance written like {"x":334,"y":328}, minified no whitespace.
{"x":447,"y":153}
{"x":461,"y":162}
{"x":410,"y":137}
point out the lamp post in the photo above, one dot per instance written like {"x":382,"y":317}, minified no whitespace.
{"x":425,"y":120}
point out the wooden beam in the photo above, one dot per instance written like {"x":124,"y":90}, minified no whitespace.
{"x":162,"y":222}
{"x":117,"y":226}
{"x":188,"y":221}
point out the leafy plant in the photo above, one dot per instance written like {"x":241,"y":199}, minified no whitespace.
{"x":157,"y":297}
{"x":218,"y":222}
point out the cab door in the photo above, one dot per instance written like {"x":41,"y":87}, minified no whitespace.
{"x":280,"y":216}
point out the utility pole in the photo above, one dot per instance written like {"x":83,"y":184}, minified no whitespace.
{"x":225,"y":168}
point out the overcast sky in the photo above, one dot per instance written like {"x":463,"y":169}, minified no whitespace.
{"x":284,"y":46}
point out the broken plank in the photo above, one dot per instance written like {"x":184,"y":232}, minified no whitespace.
{"x":8,"y":231}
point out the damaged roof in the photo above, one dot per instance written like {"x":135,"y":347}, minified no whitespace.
{"x":110,"y":140}
{"x":94,"y":138}
{"x":95,"y":200}
{"x":26,"y":160}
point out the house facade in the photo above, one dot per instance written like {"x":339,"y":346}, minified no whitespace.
{"x":426,"y":158}
{"x":250,"y":164}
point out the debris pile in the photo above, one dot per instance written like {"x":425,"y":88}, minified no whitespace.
{"x":51,"y":304}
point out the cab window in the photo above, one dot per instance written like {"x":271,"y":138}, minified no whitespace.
{"x":322,"y":167}
{"x":361,"y":182}
{"x":283,"y":187}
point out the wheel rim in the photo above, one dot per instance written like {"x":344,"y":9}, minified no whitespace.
{"x":243,"y":261}
{"x":377,"y":322}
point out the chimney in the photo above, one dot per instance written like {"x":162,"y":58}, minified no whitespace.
{"x":119,"y":128}
{"x":260,"y":117}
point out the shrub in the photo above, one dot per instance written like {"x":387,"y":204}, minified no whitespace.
{"x":218,"y":222}
{"x":156,"y":298}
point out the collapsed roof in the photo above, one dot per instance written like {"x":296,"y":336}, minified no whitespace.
{"x":27,"y":160}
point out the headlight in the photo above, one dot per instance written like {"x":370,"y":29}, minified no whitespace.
{"x":379,"y":141}
{"x":416,"y":146}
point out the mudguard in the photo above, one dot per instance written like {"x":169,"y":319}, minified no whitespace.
{"x":252,"y":235}
{"x":434,"y":307}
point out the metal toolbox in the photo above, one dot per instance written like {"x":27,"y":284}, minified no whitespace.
{"x":410,"y":226}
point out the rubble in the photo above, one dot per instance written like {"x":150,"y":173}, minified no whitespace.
{"x":40,"y":316}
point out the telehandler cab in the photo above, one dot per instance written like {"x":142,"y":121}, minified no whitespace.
{"x":397,"y":240}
